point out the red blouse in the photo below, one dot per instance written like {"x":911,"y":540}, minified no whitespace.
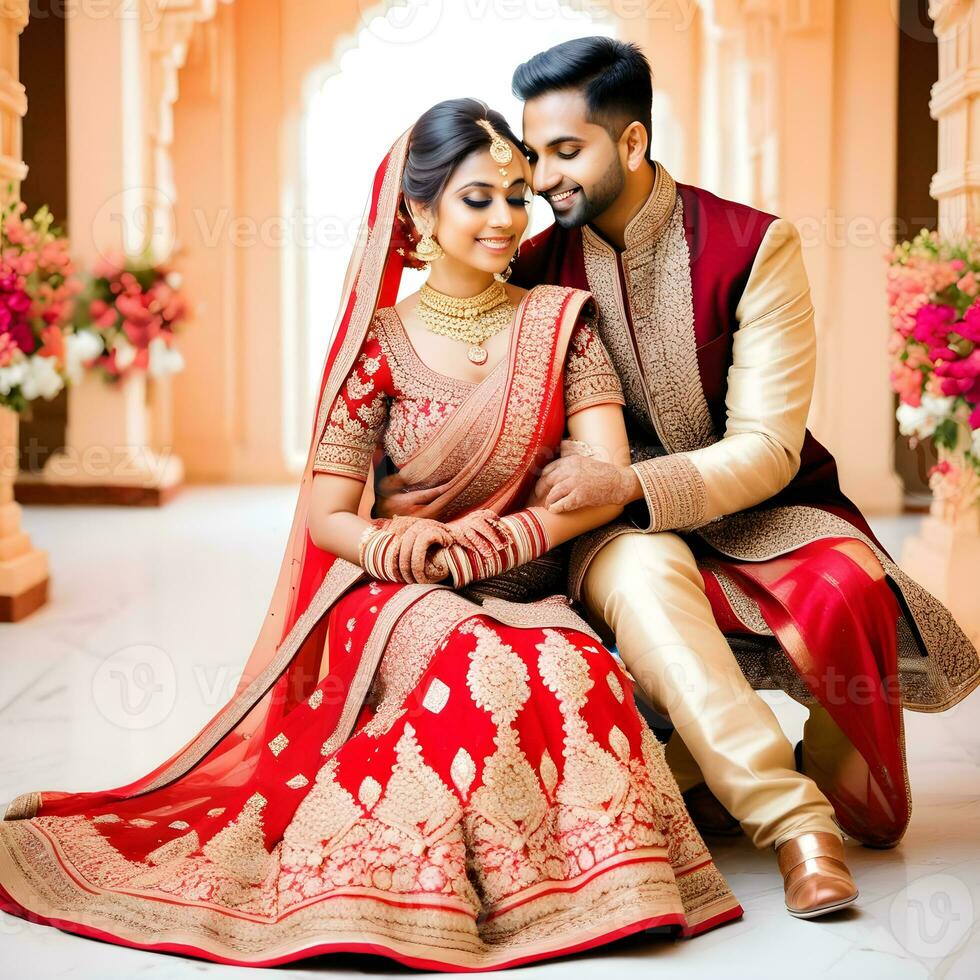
{"x":392,"y":397}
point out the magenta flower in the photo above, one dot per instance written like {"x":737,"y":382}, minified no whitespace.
{"x":970,"y":325}
{"x":932,"y":324}
{"x":15,"y":305}
{"x":961,"y":377}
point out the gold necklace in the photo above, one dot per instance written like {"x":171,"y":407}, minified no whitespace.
{"x":470,"y":319}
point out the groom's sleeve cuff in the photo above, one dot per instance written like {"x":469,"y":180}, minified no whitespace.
{"x":674,"y":491}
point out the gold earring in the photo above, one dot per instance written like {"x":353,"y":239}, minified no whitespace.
{"x":428,"y":249}
{"x":508,"y":272}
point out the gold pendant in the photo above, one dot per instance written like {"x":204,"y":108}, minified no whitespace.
{"x":477,"y":354}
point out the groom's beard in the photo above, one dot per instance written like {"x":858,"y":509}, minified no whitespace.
{"x":602,"y":195}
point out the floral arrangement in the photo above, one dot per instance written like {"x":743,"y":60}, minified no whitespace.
{"x":38,"y":286}
{"x":129,"y":317}
{"x":934,"y":300}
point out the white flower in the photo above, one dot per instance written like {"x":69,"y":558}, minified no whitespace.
{"x":921,"y":421}
{"x":976,"y":443}
{"x":164,"y":359}
{"x":125,"y":353}
{"x":81,"y":346}
{"x":43,"y":379}
{"x":12,"y":375}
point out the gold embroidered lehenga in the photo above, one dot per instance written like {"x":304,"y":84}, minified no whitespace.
{"x":456,"y":781}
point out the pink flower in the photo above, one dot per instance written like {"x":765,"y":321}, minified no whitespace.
{"x":942,"y":468}
{"x":917,"y":356}
{"x":907,"y":382}
{"x":8,"y":350}
{"x":53,"y":341}
{"x":975,"y":418}
{"x":140,"y":332}
{"x":103,"y":314}
{"x":968,"y":285}
{"x":108,"y":266}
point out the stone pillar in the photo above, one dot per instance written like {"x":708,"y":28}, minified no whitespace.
{"x":23,"y":568}
{"x":119,"y":439}
{"x":945,"y":555}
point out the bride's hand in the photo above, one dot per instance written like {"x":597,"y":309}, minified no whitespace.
{"x":482,"y":531}
{"x":415,"y":538}
{"x":436,"y":567}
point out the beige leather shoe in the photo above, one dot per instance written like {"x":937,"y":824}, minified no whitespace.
{"x":815,"y":875}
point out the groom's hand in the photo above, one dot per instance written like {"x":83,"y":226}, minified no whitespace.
{"x":574,"y":482}
{"x":399,"y":503}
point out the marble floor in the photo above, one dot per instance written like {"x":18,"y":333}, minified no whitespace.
{"x":152,"y":614}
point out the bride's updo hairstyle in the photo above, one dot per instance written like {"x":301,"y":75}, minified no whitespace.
{"x":441,"y":139}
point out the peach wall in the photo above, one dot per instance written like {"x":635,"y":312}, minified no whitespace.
{"x":797,"y":105}
{"x":853,"y":408}
{"x":235,"y":123}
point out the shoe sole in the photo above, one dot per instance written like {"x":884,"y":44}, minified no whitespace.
{"x":824,"y":909}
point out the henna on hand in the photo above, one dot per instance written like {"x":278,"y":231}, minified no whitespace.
{"x":481,"y":530}
{"x":575,"y":482}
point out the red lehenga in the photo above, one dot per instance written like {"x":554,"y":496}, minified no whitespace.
{"x":457,"y":782}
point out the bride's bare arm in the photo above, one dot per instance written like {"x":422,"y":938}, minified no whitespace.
{"x":336,"y":527}
{"x":333,"y":521}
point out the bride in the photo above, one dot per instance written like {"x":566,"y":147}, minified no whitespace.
{"x":428,"y":756}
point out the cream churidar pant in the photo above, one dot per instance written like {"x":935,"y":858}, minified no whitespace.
{"x":649,"y":592}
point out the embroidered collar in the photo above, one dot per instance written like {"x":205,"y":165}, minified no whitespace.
{"x":646,"y":226}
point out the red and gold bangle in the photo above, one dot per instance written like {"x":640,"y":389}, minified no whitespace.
{"x":527,"y":540}
{"x":377,"y":553}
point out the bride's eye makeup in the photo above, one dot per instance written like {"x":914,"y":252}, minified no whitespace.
{"x":514,"y":202}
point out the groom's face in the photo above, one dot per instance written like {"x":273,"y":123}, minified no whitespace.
{"x":576,"y":165}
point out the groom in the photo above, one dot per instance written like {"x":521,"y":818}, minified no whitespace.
{"x":668,"y":306}
{"x":704,"y":306}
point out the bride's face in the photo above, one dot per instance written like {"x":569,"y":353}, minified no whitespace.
{"x":478,"y":221}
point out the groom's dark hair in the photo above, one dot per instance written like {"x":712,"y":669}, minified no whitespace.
{"x":614,"y":77}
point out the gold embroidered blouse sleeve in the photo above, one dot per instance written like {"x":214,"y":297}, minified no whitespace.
{"x":357,"y":418}
{"x":770,"y":384}
{"x":590,"y":378}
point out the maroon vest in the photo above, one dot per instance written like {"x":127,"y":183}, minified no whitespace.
{"x":723,"y":239}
